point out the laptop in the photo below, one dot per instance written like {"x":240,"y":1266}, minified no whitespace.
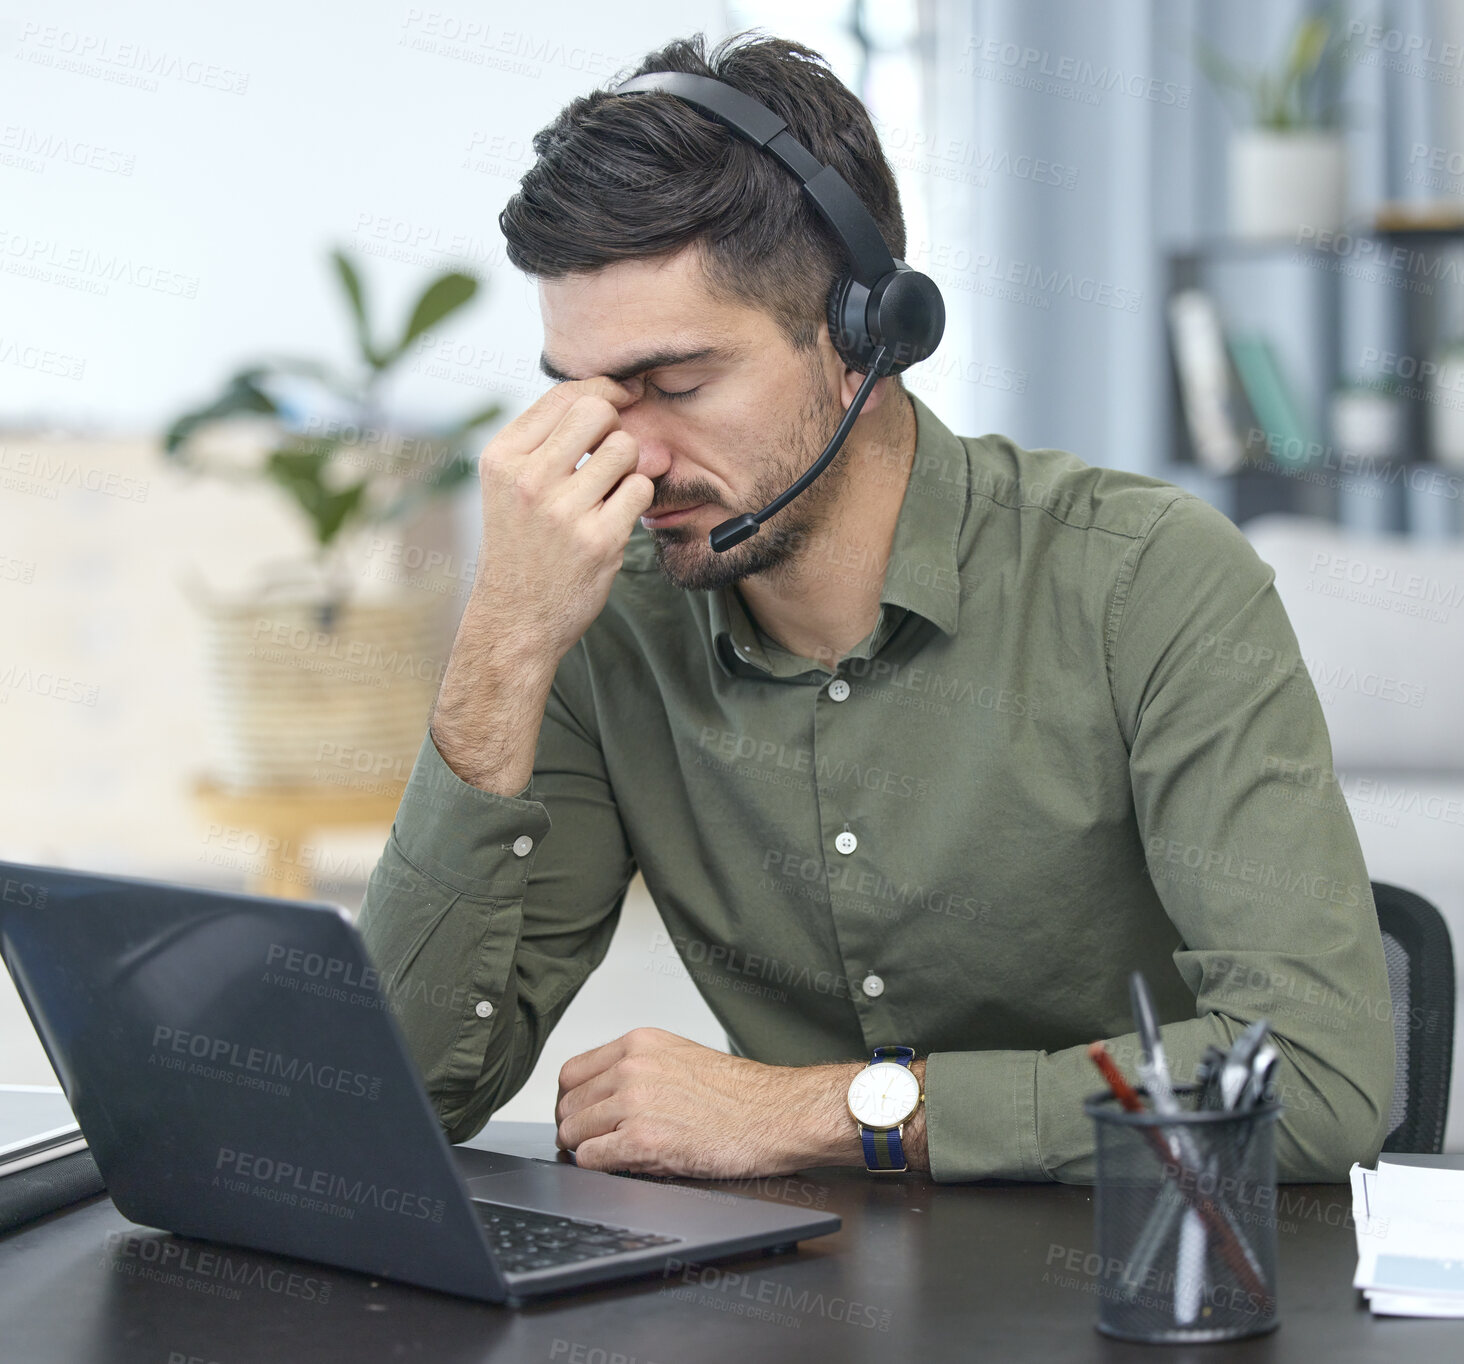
{"x":36,"y":1127}
{"x":239,"y":1078}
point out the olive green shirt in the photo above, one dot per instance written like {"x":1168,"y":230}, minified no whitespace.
{"x":1080,"y":740}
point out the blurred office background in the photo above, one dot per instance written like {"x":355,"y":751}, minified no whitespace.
{"x":1216,"y":244}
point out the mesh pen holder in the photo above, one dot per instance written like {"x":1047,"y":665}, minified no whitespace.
{"x":1184,"y":1212}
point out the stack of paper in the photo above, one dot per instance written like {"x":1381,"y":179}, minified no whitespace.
{"x":1409,"y":1219}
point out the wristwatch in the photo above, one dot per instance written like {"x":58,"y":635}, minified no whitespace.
{"x":883,"y":1097}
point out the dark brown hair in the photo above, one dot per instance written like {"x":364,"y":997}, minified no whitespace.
{"x":622,"y":177}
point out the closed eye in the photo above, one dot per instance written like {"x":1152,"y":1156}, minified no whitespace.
{"x":672,"y":395}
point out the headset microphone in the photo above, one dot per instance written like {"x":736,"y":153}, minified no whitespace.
{"x":883,"y":315}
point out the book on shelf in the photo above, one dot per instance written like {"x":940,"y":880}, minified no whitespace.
{"x":1217,"y":414}
{"x":1289,"y":439}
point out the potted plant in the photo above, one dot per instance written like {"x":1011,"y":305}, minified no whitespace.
{"x":1288,"y":167}
{"x":304,"y":663}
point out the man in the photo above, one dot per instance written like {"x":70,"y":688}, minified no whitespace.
{"x":963,"y":736}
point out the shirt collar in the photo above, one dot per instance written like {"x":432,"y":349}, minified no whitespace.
{"x":922,"y":574}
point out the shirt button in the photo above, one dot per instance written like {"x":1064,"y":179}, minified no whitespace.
{"x":838,"y":689}
{"x":523,"y":845}
{"x":846,"y":842}
{"x":485,"y":1010}
{"x":873,"y":986}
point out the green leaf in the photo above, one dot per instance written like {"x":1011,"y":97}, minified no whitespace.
{"x":300,"y":471}
{"x":300,"y":465}
{"x":241,"y":394}
{"x":1296,"y":94}
{"x":441,"y":298}
{"x":355,"y":293}
{"x":1300,"y":71}
{"x":334,"y":510}
{"x":1306,"y":49}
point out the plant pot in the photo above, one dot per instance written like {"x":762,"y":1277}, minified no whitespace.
{"x":307,"y":689}
{"x":1282,"y":184}
{"x":1367,"y":423}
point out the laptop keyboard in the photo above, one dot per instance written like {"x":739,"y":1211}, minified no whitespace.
{"x":524,"y":1240}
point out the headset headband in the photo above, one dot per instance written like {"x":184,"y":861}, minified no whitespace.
{"x":838,"y":205}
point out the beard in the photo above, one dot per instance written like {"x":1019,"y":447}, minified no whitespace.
{"x":686,"y":558}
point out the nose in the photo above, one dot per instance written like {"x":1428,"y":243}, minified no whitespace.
{"x":645,"y":426}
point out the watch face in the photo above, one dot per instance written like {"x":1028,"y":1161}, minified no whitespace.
{"x":884,"y":1095}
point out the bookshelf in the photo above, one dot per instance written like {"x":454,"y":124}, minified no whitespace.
{"x":1323,"y":486}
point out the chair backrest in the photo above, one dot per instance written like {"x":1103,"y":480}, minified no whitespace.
{"x":1421,"y":984}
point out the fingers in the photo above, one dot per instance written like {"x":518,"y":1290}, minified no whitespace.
{"x":532,"y":426}
{"x":594,"y":1090}
{"x":628,"y":503}
{"x":642,"y":1147}
{"x":594,"y":1121}
{"x":590,"y":1063}
{"x":615,"y":1151}
{"x":612,"y":461}
{"x":643,"y":1042}
{"x":589,"y":420}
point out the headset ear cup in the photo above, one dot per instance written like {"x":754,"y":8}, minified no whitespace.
{"x":848,"y":347}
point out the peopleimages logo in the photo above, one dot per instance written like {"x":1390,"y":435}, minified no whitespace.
{"x":282,"y":1181}
{"x":22,"y":892}
{"x":313,"y":964}
{"x":211,"y":1273}
{"x":253,"y":1067}
{"x":311,"y":973}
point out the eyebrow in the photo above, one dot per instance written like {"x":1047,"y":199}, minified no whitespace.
{"x":661,"y":359}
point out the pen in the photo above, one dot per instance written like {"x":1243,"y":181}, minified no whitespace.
{"x":1207,"y":1076}
{"x":1239,"y":1061}
{"x":1155,"y":1067}
{"x":1226,"y":1080}
{"x":1187,"y":1179}
{"x":1167,"y":1208}
{"x":1189,"y":1269}
{"x":1258,"y":1081}
{"x":1189,"y":1265}
{"x":1263,"y":1066}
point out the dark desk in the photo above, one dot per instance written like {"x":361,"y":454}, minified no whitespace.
{"x":919,"y":1272}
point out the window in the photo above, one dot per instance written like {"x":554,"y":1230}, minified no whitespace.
{"x":873,"y":47}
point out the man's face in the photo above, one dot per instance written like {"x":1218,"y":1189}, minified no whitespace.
{"x":761,"y":413}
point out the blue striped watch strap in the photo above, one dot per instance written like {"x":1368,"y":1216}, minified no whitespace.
{"x":885,"y":1150}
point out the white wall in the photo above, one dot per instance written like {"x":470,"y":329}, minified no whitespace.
{"x":156,"y":230}
{"x":221,"y":150}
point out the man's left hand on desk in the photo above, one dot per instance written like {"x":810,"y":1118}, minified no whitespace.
{"x":654,"y":1103}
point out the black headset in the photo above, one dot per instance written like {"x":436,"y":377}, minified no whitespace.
{"x":883,"y":315}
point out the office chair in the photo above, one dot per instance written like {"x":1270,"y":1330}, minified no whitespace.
{"x":1421,"y":983}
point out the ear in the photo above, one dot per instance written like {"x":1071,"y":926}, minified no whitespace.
{"x":850,"y":379}
{"x":849,"y":386}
